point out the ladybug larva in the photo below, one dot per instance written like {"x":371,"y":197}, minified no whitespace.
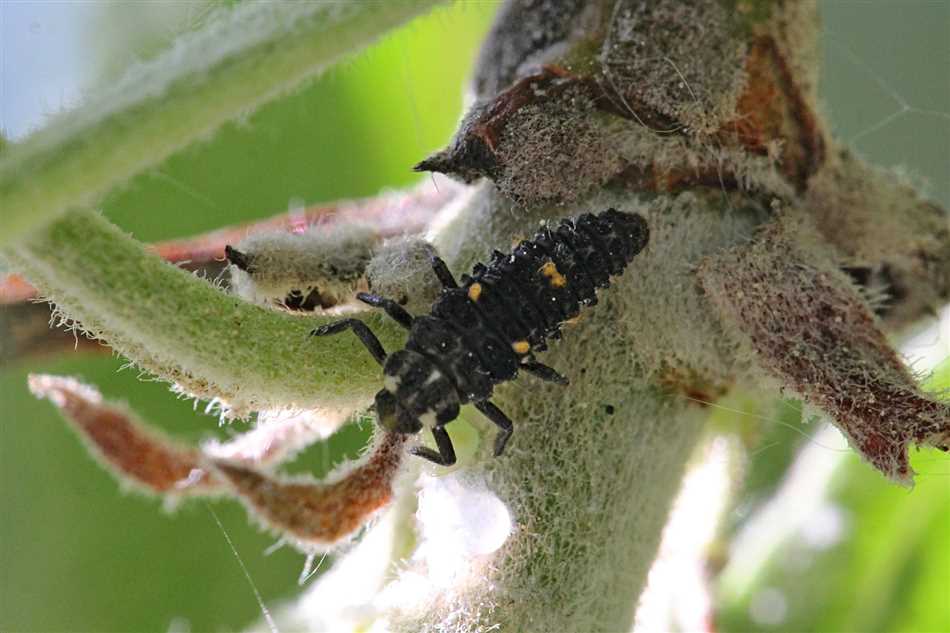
{"x":485,"y":330}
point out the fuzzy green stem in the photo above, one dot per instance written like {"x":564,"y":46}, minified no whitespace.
{"x":238,"y":60}
{"x":592,"y":469}
{"x":183,"y":329}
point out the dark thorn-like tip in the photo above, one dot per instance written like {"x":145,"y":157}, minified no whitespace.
{"x":440,"y":163}
{"x":237,"y":258}
{"x":426,"y":165}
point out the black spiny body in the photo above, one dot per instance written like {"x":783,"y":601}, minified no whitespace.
{"x":484,"y":331}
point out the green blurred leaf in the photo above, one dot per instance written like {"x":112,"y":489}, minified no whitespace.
{"x":770,"y":434}
{"x":357,"y":129}
{"x":240,"y":58}
{"x":939,"y":379}
{"x":873,"y":558}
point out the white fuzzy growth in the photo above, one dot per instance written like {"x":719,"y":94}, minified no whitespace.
{"x":277,"y":436}
{"x":346,"y":597}
{"x":459,"y":518}
{"x":401,"y":270}
{"x":651,"y":50}
{"x":461,"y":524}
{"x":332,"y":260}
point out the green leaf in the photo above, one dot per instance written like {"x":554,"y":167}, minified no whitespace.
{"x":187,"y":331}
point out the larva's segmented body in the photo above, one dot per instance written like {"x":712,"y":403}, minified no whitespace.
{"x":484,"y":331}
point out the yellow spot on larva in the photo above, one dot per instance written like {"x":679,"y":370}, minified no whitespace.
{"x":555,"y":278}
{"x":521,"y":347}
{"x":475,"y":291}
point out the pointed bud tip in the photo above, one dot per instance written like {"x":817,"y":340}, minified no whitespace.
{"x":424,"y":165}
{"x":440,"y":163}
{"x":237,"y":258}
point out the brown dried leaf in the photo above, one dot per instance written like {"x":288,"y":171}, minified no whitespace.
{"x":321,"y":514}
{"x":135,"y":454}
{"x":310,"y":512}
{"x":810,"y":327}
{"x":646,"y":112}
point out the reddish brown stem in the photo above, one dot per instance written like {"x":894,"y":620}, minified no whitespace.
{"x":309,"y":512}
{"x":133,"y":452}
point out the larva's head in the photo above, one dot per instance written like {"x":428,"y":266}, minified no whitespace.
{"x":415,"y":394}
{"x":392,"y":417}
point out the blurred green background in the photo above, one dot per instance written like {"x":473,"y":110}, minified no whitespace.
{"x":78,"y":555}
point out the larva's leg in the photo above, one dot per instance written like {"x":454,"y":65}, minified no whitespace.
{"x":543,"y":372}
{"x":361,"y":330}
{"x":445,"y":456}
{"x":500,"y":420}
{"x":443,"y":273}
{"x":393,"y":309}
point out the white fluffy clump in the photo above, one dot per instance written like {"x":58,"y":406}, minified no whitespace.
{"x":458,"y":524}
{"x":336,"y":262}
{"x":460,"y":520}
{"x":401,"y":270}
